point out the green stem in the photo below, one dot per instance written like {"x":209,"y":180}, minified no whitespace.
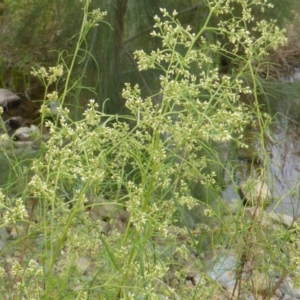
{"x":81,"y":38}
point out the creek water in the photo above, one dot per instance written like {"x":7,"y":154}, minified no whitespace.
{"x":282,"y":143}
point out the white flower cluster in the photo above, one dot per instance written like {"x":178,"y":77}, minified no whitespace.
{"x":16,"y":213}
{"x":51,"y":75}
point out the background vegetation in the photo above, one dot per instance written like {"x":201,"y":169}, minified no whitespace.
{"x":31,"y":29}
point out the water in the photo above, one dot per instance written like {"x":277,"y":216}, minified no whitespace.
{"x":283,"y":147}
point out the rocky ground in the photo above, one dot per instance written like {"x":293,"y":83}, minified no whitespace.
{"x":220,"y":265}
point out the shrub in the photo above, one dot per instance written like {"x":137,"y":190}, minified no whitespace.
{"x":140,"y":168}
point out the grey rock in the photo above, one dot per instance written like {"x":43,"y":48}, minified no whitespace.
{"x":287,"y":288}
{"x":6,"y":97}
{"x":22,"y":144}
{"x":54,"y":108}
{"x":223,"y":270}
{"x":285,"y":220}
{"x":288,"y":297}
{"x":83,"y":264}
{"x":14,"y":123}
{"x":26,"y":133}
{"x":254,"y":190}
{"x":4,"y":236}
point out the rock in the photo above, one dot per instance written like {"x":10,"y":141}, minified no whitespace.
{"x":278,"y":294}
{"x":106,"y":210}
{"x":287,"y":288}
{"x":6,"y":97}
{"x":26,"y":133}
{"x":17,"y":231}
{"x":22,"y":144}
{"x":233,"y":205}
{"x":14,"y":123}
{"x":271,"y":220}
{"x":2,"y":244}
{"x":253,"y":191}
{"x":285,"y":220}
{"x":4,"y":236}
{"x":198,"y":278}
{"x":234,"y":292}
{"x":261,"y":281}
{"x":83,"y":264}
{"x":224,"y":270}
{"x":231,"y":200}
{"x":54,"y":108}
{"x":288,"y":297}
{"x":191,"y":267}
{"x":275,"y":298}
